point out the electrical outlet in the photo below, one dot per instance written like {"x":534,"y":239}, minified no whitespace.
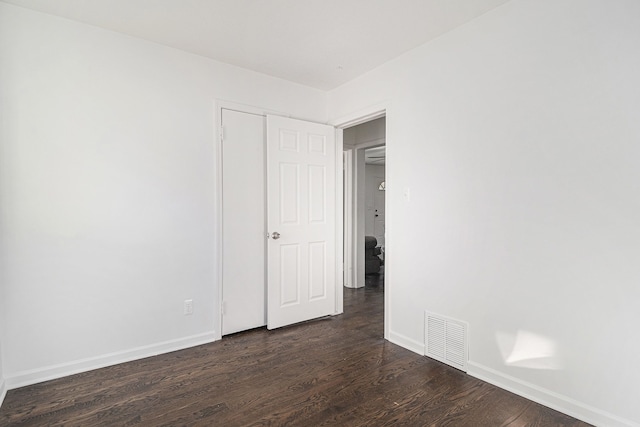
{"x":188,"y":306}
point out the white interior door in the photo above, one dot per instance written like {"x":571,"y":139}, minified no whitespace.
{"x":243,"y":222}
{"x":301,"y":174}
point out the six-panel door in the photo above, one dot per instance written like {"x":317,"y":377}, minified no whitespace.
{"x":301,"y":207}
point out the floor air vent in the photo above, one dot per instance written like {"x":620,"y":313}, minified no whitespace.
{"x":446,"y":340}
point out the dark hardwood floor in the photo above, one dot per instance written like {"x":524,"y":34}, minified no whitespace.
{"x":336,"y":371}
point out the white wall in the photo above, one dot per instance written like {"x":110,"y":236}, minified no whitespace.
{"x":108,"y":189}
{"x":517,"y":135}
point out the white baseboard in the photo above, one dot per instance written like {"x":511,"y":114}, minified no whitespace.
{"x":3,"y":390}
{"x":24,"y":378}
{"x":548,"y":398}
{"x":408,"y":343}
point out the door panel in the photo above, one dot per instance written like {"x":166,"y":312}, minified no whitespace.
{"x":301,"y":168}
{"x":317,"y":268}
{"x":243,"y":222}
{"x":289,"y":183}
{"x":289,"y":275}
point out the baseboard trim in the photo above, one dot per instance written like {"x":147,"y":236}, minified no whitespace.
{"x":408,"y":343}
{"x":25,"y":378}
{"x":3,"y":390}
{"x":548,"y":398}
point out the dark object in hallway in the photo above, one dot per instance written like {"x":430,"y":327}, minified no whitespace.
{"x":372,"y":261}
{"x":376,"y":280}
{"x":338,"y":371}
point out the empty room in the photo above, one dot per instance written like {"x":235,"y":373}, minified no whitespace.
{"x":178,"y":201}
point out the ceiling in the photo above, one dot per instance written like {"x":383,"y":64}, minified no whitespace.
{"x":317,"y":43}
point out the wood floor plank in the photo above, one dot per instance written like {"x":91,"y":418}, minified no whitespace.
{"x":334,"y":371}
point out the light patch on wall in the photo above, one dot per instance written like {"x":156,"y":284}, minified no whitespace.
{"x":529,"y":350}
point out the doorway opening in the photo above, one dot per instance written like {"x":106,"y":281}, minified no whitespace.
{"x":364,"y":146}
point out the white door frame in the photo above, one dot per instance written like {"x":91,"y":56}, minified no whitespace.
{"x":349,"y":267}
{"x":219,"y":105}
{"x":350,"y":247}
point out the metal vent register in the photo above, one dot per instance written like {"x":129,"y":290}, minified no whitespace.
{"x":446,"y":340}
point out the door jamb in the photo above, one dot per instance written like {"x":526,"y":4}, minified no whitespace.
{"x":349,"y":279}
{"x":339,"y":221}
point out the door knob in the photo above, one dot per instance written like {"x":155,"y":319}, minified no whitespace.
{"x":275,"y":235}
